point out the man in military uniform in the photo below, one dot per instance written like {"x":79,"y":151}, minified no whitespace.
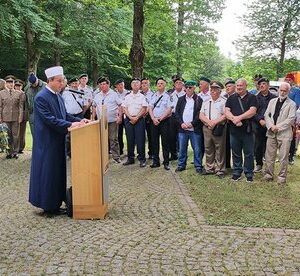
{"x":160,"y":111}
{"x":88,"y":95}
{"x":122,"y":92}
{"x":178,"y":92}
{"x":204,"y":89}
{"x":135,"y":107}
{"x":11,"y":113}
{"x":145,"y":85}
{"x":22,"y":131}
{"x":33,"y":86}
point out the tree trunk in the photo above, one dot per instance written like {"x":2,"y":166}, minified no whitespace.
{"x":33,"y":54}
{"x":95,"y":70}
{"x":57,"y":50}
{"x":137,"y":51}
{"x":180,"y":24}
{"x":280,"y":68}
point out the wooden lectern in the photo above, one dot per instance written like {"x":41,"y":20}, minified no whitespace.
{"x":89,"y":145}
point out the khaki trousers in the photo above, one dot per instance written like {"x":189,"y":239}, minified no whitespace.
{"x":13,"y":137}
{"x":215,"y":149}
{"x":22,"y":135}
{"x":283,"y":147}
{"x":113,"y":139}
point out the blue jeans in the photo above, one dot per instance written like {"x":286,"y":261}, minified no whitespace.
{"x":183,"y":139}
{"x":242,"y":144}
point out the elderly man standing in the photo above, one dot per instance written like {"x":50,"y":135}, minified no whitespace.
{"x":112,"y":101}
{"x":135,"y":107}
{"x":160,"y":110}
{"x":240,"y":109}
{"x":47,"y":187}
{"x":33,"y":86}
{"x":174,"y":127}
{"x":187,"y":116}
{"x":279,"y":116}
{"x":11,"y":113}
{"x":212,"y":115}
{"x":88,"y":94}
{"x":146,"y":91}
{"x":263,"y":98}
{"x":121,"y":92}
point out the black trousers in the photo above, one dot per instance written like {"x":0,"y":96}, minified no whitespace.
{"x":228,"y":148}
{"x":120,"y":136}
{"x":148,"y":122}
{"x":260,"y":144}
{"x":173,"y":136}
{"x":162,"y":130}
{"x":135,"y":135}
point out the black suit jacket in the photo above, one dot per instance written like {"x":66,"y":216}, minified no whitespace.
{"x":197,"y":124}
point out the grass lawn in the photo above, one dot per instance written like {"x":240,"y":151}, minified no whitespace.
{"x":259,"y":204}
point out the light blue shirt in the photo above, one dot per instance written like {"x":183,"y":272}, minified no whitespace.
{"x":112,"y":102}
{"x":174,"y":97}
{"x":164,"y":103}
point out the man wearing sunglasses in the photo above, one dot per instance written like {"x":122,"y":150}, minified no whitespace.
{"x":187,"y":115}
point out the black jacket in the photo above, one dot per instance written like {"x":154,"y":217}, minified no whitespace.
{"x":197,"y":124}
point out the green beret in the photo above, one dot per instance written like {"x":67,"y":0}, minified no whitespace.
{"x":73,"y":80}
{"x":190,"y":83}
{"x":229,"y":82}
{"x":204,"y":79}
{"x":83,"y":75}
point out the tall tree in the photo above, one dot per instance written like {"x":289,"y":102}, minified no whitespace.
{"x":274,"y":28}
{"x":137,"y":51}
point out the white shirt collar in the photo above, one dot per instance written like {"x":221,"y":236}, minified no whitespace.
{"x":52,"y":91}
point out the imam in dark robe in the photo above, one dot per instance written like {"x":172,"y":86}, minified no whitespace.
{"x":48,"y":166}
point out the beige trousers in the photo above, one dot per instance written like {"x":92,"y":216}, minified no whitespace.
{"x":113,"y":139}
{"x":215,"y":149}
{"x":283,"y":147}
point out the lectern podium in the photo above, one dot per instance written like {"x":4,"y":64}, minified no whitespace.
{"x":89,"y":163}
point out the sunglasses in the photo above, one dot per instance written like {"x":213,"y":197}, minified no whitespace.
{"x":10,"y":81}
{"x":189,"y":87}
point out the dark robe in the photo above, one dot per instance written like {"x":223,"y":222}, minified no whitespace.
{"x":48,"y":166}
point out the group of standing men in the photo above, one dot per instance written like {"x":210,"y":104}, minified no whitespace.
{"x":251,"y":127}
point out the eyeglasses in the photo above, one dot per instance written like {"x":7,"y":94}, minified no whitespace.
{"x":9,"y":81}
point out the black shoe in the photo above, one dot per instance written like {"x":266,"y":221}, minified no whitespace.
{"x":16,"y":156}
{"x":249,"y":179}
{"x":207,"y":172}
{"x":20,"y":152}
{"x":58,"y":212}
{"x":236,"y":178}
{"x":128,"y":162}
{"x":167,"y":167}
{"x":179,"y":169}
{"x":155,"y":165}
{"x":9,"y":156}
{"x":200,"y":171}
{"x":174,"y":157}
{"x":142,"y":164}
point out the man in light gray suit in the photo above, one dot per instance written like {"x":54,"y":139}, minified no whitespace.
{"x":279,"y":116}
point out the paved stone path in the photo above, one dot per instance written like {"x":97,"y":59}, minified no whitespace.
{"x":153,"y":228}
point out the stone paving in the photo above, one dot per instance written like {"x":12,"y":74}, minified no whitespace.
{"x":153,"y":228}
